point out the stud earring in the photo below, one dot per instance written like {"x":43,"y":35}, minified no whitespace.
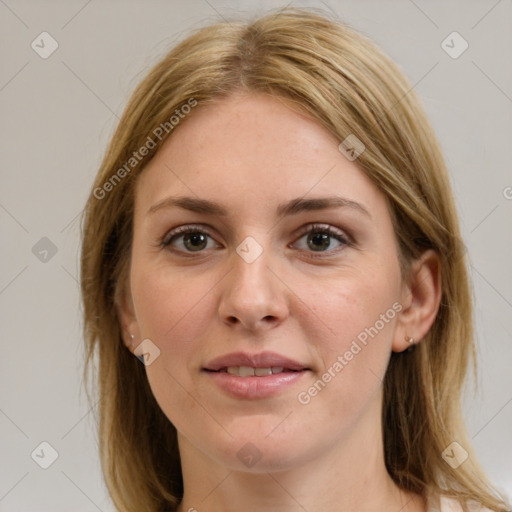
{"x":410,"y":340}
{"x":131,"y":348}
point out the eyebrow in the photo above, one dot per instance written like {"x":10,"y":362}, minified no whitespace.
{"x":292,"y":207}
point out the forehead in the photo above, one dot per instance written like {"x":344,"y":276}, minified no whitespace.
{"x":252,"y":150}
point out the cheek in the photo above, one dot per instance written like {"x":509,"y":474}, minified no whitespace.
{"x":343,"y":307}
{"x":352,"y":324}
{"x":174,"y":311}
{"x":170,"y":306}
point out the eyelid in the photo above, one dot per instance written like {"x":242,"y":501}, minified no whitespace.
{"x":322,"y":227}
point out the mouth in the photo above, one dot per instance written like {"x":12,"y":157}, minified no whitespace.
{"x":253,"y":376}
{"x":249,"y":365}
{"x":249,"y":371}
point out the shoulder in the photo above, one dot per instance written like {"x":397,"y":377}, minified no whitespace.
{"x":440,"y":503}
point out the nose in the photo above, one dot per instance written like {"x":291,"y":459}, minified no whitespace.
{"x":253,"y":297}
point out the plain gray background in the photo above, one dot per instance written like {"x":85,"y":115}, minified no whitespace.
{"x":57,"y":116}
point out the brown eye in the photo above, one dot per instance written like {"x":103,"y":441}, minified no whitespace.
{"x":319,"y":241}
{"x":195,"y":241}
{"x":322,"y":239}
{"x":188,"y":240}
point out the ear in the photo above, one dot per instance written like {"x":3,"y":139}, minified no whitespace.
{"x":421,"y":297}
{"x":128,"y":320}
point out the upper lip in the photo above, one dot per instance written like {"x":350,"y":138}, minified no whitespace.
{"x":260,"y":360}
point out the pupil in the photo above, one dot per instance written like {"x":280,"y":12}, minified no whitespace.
{"x":195,"y":240}
{"x":320,"y":241}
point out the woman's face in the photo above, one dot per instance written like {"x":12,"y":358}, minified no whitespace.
{"x":288,"y":262}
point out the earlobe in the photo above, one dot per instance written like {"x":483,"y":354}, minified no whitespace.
{"x":128,"y":320}
{"x":129,"y":333}
{"x":421,"y":298}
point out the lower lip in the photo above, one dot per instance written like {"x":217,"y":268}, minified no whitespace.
{"x":255,"y":387}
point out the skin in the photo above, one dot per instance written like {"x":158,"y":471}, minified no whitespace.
{"x":251,"y":153}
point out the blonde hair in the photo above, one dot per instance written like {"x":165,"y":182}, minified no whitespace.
{"x":341,"y":79}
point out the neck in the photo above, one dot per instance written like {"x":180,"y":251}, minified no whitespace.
{"x":350,"y":477}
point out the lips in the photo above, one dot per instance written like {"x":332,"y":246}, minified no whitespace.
{"x":255,"y":376}
{"x":262,"y":360}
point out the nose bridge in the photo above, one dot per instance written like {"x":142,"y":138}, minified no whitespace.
{"x":250,"y":264}
{"x":252,"y":294}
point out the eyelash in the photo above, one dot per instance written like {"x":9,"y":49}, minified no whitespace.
{"x":338,"y":235}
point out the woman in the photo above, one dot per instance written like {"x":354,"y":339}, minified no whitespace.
{"x":273,"y":236}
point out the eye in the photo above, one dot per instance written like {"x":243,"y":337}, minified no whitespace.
{"x":195,"y":239}
{"x":322,"y":238}
{"x":189,"y":239}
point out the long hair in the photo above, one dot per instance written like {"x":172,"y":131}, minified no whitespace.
{"x":339,"y":78}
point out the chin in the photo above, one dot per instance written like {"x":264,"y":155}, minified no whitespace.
{"x":260,"y":454}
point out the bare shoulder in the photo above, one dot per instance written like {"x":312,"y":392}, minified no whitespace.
{"x":452,"y":505}
{"x":442,"y":503}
